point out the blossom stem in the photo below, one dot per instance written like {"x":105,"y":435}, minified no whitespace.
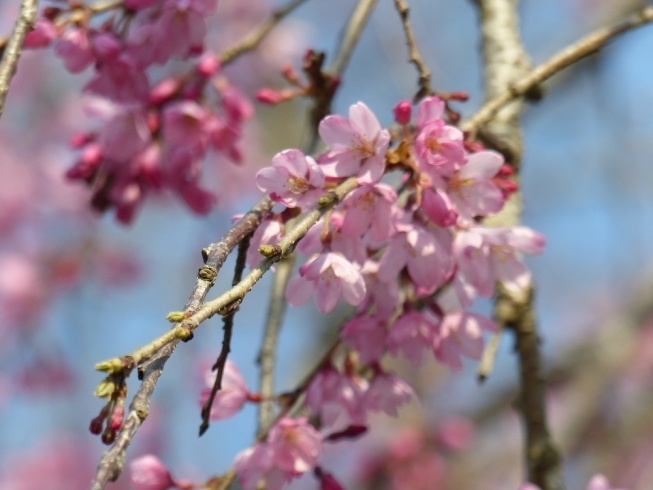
{"x":12,"y":50}
{"x":414,"y":56}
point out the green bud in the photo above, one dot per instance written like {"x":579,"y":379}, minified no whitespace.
{"x":105,"y":389}
{"x":182,"y":333}
{"x":326,"y":199}
{"x":111,"y":366}
{"x":269,"y":250}
{"x":175,"y":316}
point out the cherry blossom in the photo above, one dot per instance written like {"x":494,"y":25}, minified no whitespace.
{"x":294,"y":179}
{"x":439,"y":149}
{"x":367,"y":335}
{"x":461,"y":333}
{"x":232,"y":395}
{"x":386,"y":393}
{"x":335,"y":396}
{"x":329,"y":277}
{"x":357,"y":145}
{"x":369,"y":208}
{"x":413,"y":333}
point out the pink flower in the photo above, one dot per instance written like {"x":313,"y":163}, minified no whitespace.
{"x":237,"y":106}
{"x":294,"y":179}
{"x":382,"y":295}
{"x":367,"y":335}
{"x":291,"y":449}
{"x":430,"y":109}
{"x":125,"y":135}
{"x":402,"y":112}
{"x":332,"y":394}
{"x":182,"y":174}
{"x":461,"y":333}
{"x":439,"y":150}
{"x":42,"y":35}
{"x":488,"y":255}
{"x":369,"y":208}
{"x":471,"y":190}
{"x":412,"y":333}
{"x":232,"y":395}
{"x":358,"y":145}
{"x":456,"y":433}
{"x":329,"y":277}
{"x":425,"y":253}
{"x":328,"y":237}
{"x":74,"y":48}
{"x":185,"y":123}
{"x":387,"y":393}
{"x":438,"y":207}
{"x":120,"y":79}
{"x":149,"y":473}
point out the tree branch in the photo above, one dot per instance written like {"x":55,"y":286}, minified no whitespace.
{"x":254,"y":38}
{"x":12,"y":51}
{"x":414,"y":57}
{"x":505,"y":62}
{"x":112,"y":461}
{"x":581,"y":49}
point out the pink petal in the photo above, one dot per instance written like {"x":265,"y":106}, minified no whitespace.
{"x":372,"y":170}
{"x":336,"y":132}
{"x":327,"y":294}
{"x":481,"y":166}
{"x":430,"y":108}
{"x":364,"y":122}
{"x":299,"y":291}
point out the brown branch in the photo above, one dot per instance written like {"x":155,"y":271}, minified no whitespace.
{"x":12,"y":51}
{"x":220,"y":363}
{"x":505,"y":62}
{"x":112,"y":461}
{"x":266,"y":357}
{"x":414,"y":57}
{"x":577,"y":51}
{"x":254,"y":38}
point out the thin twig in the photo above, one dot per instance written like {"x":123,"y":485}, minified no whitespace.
{"x":583,"y":48}
{"x":266,"y":357}
{"x":12,"y":51}
{"x":350,"y":35}
{"x":414,"y":57}
{"x":112,"y":461}
{"x":220,"y":363}
{"x":254,"y":38}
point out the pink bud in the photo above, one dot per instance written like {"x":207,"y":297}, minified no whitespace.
{"x":268,"y":96}
{"x":106,"y":46}
{"x":402,"y":112}
{"x":117,"y":417}
{"x":208,"y":65}
{"x":43,"y":33}
{"x":327,"y":481}
{"x":164,"y":91}
{"x":148,"y":473}
{"x":78,"y":140}
{"x":349,"y":433}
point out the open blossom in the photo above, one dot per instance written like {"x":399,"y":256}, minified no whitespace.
{"x":357,"y":145}
{"x":294,"y":179}
{"x":329,"y":277}
{"x":74,"y":48}
{"x":369,"y":208}
{"x":488,"y":255}
{"x":425,"y":253}
{"x":291,"y":449}
{"x":471,"y":190}
{"x":232,"y":395}
{"x":326,"y":236}
{"x":386,"y":393}
{"x":430,"y":109}
{"x":413,"y":333}
{"x":185,"y":123}
{"x":461,"y":334}
{"x":367,"y":335}
{"x":333,"y":395}
{"x":439,"y":150}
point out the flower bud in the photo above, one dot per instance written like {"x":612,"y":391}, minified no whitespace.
{"x":402,"y":112}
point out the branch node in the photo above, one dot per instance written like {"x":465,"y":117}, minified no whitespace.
{"x":207,"y":272}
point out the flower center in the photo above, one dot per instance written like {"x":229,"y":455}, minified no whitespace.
{"x":298,"y":185}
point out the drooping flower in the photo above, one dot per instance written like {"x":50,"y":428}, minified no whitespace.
{"x":294,"y":179}
{"x":439,"y":150}
{"x":357,"y":145}
{"x":74,"y":48}
{"x":461,"y":334}
{"x":232,"y":395}
{"x":332,"y":394}
{"x":367,"y":335}
{"x":488,"y":255}
{"x":329,"y":277}
{"x":413,"y":333}
{"x":369,"y":208}
{"x":386,"y":393}
{"x":149,"y":473}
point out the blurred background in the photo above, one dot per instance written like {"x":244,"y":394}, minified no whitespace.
{"x":77,"y":288}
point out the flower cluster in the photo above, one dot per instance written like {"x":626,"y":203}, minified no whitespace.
{"x":153,"y":136}
{"x":410,"y":261}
